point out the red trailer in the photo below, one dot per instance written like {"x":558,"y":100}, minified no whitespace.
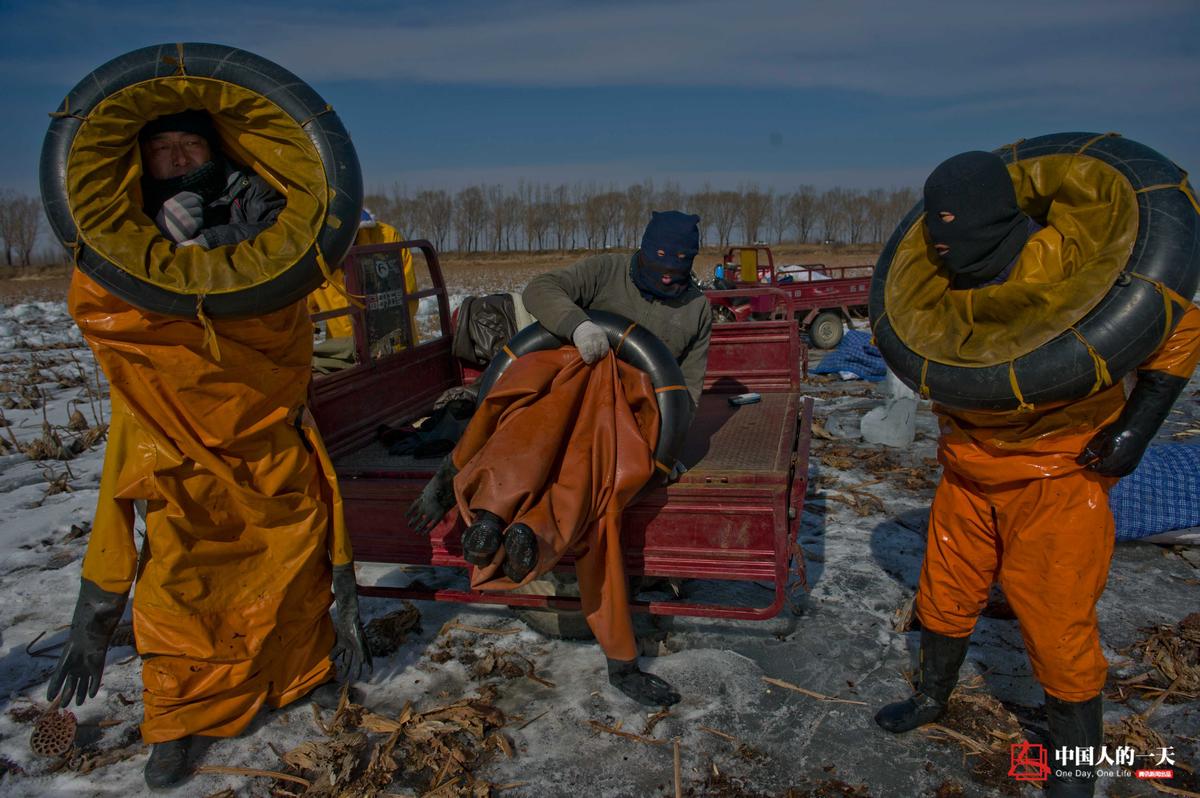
{"x":820,"y":298}
{"x":734,"y":515}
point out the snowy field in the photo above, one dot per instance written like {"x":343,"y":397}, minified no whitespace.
{"x":569,"y":733}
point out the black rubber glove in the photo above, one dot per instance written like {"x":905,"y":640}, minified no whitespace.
{"x":1116,"y":450}
{"x":349,"y":653}
{"x":435,"y":500}
{"x":81,"y":663}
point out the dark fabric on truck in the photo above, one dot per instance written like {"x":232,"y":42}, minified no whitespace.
{"x":485,"y":323}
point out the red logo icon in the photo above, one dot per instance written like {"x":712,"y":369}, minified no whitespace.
{"x":1027,"y":762}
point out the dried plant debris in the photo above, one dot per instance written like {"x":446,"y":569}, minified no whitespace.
{"x":985,"y":730}
{"x":432,"y":752}
{"x":895,"y":468}
{"x":1173,"y":655}
{"x":387,"y":633}
{"x":53,"y":733}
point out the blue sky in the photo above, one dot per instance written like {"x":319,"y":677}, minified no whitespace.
{"x":775,"y":92}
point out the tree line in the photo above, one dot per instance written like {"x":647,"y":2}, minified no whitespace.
{"x":533,"y":216}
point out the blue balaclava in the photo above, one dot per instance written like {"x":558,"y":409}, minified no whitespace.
{"x":669,"y":246}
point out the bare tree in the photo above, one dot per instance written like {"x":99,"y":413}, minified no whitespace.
{"x":563,"y":217}
{"x":725,"y":208}
{"x":8,"y":199}
{"x":20,"y":219}
{"x":778,"y":218}
{"x":831,"y":213}
{"x":470,"y":217}
{"x":857,"y":215}
{"x":755,"y":208}
{"x":435,"y":212}
{"x":802,"y":211}
{"x":635,"y":212}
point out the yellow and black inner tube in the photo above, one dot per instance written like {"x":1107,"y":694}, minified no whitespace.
{"x":268,"y":120}
{"x":1130,"y":226}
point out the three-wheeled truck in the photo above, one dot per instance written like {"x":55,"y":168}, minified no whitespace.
{"x":820,"y":299}
{"x":733,"y":516}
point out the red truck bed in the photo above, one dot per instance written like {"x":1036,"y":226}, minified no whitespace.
{"x":732,"y":516}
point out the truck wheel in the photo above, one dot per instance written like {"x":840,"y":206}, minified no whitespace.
{"x":826,"y":330}
{"x":555,"y":624}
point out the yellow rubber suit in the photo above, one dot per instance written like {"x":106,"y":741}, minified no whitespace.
{"x":243,"y":519}
{"x":329,"y":297}
{"x":1014,"y":507}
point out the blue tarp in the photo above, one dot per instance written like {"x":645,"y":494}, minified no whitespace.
{"x":1161,"y":495}
{"x":854,"y":355}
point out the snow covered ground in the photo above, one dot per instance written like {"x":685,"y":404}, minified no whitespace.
{"x":739,"y":735}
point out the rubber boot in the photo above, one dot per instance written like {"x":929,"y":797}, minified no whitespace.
{"x":168,"y":763}
{"x":645,"y":688}
{"x":520,"y":552}
{"x":941,"y":657}
{"x":481,"y":540}
{"x":1073,"y":725}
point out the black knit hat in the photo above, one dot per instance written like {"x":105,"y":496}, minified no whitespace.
{"x":989,"y":228}
{"x":191,"y":121}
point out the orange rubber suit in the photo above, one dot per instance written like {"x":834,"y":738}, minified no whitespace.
{"x":243,"y":514}
{"x":562,"y":446}
{"x":1014,"y":507}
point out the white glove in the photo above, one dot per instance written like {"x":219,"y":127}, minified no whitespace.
{"x":591,"y":341}
{"x":198,"y":241}
{"x":181,"y":216}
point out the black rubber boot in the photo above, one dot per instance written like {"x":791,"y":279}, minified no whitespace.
{"x":168,"y":763}
{"x":481,"y":540}
{"x":328,"y":695}
{"x":1073,"y":725}
{"x":644,"y":688}
{"x":435,"y":500}
{"x":941,"y":657}
{"x":520,"y":552}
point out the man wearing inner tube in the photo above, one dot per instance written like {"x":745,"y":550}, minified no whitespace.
{"x":194,"y":194}
{"x":1023,"y":498}
{"x":653,"y":288}
{"x":244,"y":540}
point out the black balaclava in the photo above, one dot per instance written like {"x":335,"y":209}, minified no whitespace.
{"x":988,"y":230}
{"x":207,"y":180}
{"x":675,"y":233}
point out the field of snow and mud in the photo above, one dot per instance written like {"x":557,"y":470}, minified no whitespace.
{"x":781,"y":707}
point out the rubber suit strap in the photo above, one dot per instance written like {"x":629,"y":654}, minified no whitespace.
{"x":1103,"y":377}
{"x":1179,"y":355}
{"x":210,"y":332}
{"x":1182,"y":185}
{"x":1094,"y":139}
{"x":620,"y":343}
{"x":112,"y":556}
{"x":340,"y":550}
{"x":1168,"y":308}
{"x":338,"y":285}
{"x":1016,"y":388}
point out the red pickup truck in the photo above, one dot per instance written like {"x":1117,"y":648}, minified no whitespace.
{"x":820,"y":298}
{"x":733,"y":515}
